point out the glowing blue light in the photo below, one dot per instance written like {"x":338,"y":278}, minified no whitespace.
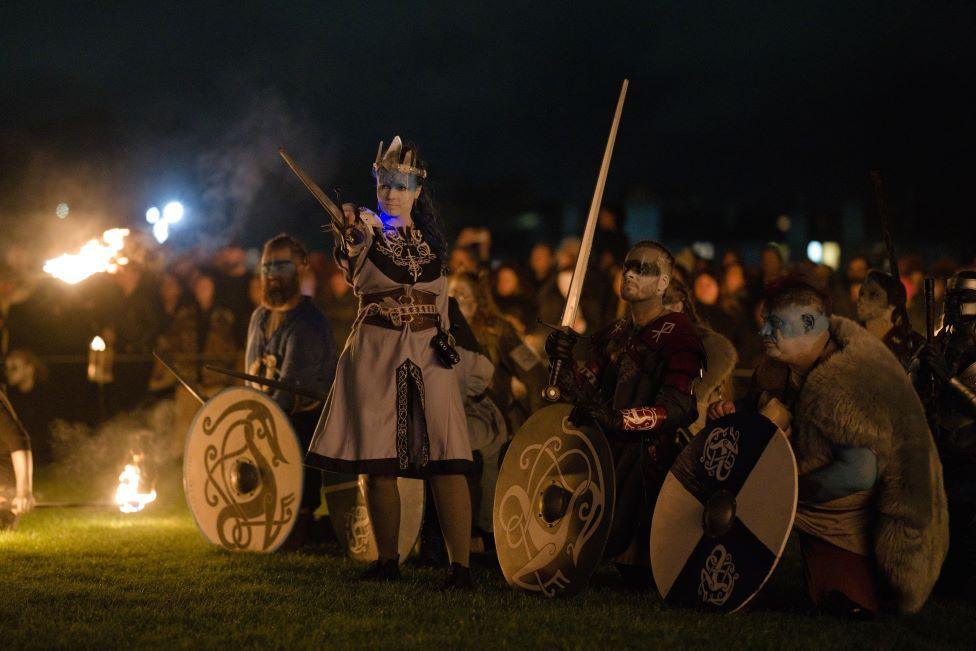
{"x":161,"y":231}
{"x":62,"y":210}
{"x":173,"y":212}
{"x":152,"y":215}
{"x":815,"y":251}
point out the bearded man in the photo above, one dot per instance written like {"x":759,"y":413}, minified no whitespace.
{"x":638,"y":387}
{"x":290,"y":340}
{"x":872,"y":511}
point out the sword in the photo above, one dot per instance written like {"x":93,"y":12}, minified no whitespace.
{"x":335,"y":213}
{"x":274,"y":384}
{"x":552,"y":392}
{"x":194,"y":390}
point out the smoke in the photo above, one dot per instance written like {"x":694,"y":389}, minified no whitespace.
{"x":87,"y":462}
{"x":238,"y":167}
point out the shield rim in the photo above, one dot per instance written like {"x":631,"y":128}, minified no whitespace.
{"x":611,"y":511}
{"x":186,"y":444}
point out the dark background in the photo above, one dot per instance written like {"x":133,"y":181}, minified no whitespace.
{"x":738,"y":112}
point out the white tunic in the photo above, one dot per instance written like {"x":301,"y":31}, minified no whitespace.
{"x":394,"y":408}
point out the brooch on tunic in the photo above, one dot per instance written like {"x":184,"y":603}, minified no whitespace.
{"x":410,"y":252}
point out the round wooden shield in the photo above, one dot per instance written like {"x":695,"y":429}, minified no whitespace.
{"x":553,"y":504}
{"x":242,"y":471}
{"x":345,"y":497}
{"x":724,"y":514}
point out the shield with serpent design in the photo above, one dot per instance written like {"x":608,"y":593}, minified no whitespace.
{"x":554,"y":504}
{"x":242,"y":471}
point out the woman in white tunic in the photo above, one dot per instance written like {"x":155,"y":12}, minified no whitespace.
{"x":395,"y":408}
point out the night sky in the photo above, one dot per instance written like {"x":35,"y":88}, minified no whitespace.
{"x":737,"y":112}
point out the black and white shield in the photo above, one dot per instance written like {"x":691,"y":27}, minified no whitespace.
{"x":724,"y":514}
{"x":345,"y":497}
{"x":553,"y":504}
{"x":242,"y":471}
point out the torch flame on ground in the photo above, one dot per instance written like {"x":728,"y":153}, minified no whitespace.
{"x":127,"y":495}
{"x":96,"y":256}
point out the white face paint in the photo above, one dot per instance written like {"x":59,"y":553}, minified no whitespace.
{"x":791,"y":332}
{"x":396,"y":193}
{"x":872,"y":301}
{"x":645,"y":276}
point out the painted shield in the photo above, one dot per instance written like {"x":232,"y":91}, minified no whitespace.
{"x":724,"y":514}
{"x":553,"y":504}
{"x":345,"y":497}
{"x":242,"y":471}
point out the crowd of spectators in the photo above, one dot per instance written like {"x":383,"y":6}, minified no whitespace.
{"x":195,"y":307}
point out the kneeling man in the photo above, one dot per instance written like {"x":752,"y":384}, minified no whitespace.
{"x":872,"y":513}
{"x":638,"y":387}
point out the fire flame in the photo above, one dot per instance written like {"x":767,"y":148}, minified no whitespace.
{"x":127,"y":495}
{"x":96,"y":256}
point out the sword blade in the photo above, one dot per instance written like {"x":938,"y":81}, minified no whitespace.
{"x":187,"y":384}
{"x":579,"y":274}
{"x":274,"y":384}
{"x":335,"y":213}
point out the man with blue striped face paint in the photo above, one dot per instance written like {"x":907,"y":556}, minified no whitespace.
{"x":872,"y":515}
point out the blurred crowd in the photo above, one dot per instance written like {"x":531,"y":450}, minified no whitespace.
{"x":195,"y":307}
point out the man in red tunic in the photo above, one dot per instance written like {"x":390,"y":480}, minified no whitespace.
{"x":637,"y":385}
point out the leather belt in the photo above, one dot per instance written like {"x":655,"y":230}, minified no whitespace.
{"x":399,"y":308}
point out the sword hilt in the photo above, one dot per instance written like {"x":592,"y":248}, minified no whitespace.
{"x":552,"y":392}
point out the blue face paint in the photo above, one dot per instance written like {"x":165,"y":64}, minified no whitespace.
{"x":789,"y":332}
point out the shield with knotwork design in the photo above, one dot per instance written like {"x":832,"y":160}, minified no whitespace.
{"x":553,"y":504}
{"x":345,"y":496}
{"x":242,"y":471}
{"x":724,"y":514}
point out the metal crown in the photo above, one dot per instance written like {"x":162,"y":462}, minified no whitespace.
{"x":397,"y":160}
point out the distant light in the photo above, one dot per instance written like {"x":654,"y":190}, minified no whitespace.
{"x":815,"y":251}
{"x":161,"y":231}
{"x":152,"y":215}
{"x":831,"y":254}
{"x":783,"y":223}
{"x":98,"y":344}
{"x":173,"y":212}
{"x":704,"y":250}
{"x":61,"y":211}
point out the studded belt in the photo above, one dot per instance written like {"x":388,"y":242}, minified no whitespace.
{"x":400,"y":308}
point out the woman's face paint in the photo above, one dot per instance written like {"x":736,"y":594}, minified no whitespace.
{"x":790,"y":332}
{"x":396,"y":192}
{"x":872,"y":301}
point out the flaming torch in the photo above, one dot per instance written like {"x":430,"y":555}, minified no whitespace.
{"x":96,"y":256}
{"x":130,"y":495}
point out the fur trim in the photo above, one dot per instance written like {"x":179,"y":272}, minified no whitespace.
{"x":861,"y":397}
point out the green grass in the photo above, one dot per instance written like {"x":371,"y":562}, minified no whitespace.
{"x":98,"y":579}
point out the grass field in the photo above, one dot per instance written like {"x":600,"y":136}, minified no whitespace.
{"x":95,"y":578}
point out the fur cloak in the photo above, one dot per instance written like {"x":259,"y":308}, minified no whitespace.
{"x":862,"y":397}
